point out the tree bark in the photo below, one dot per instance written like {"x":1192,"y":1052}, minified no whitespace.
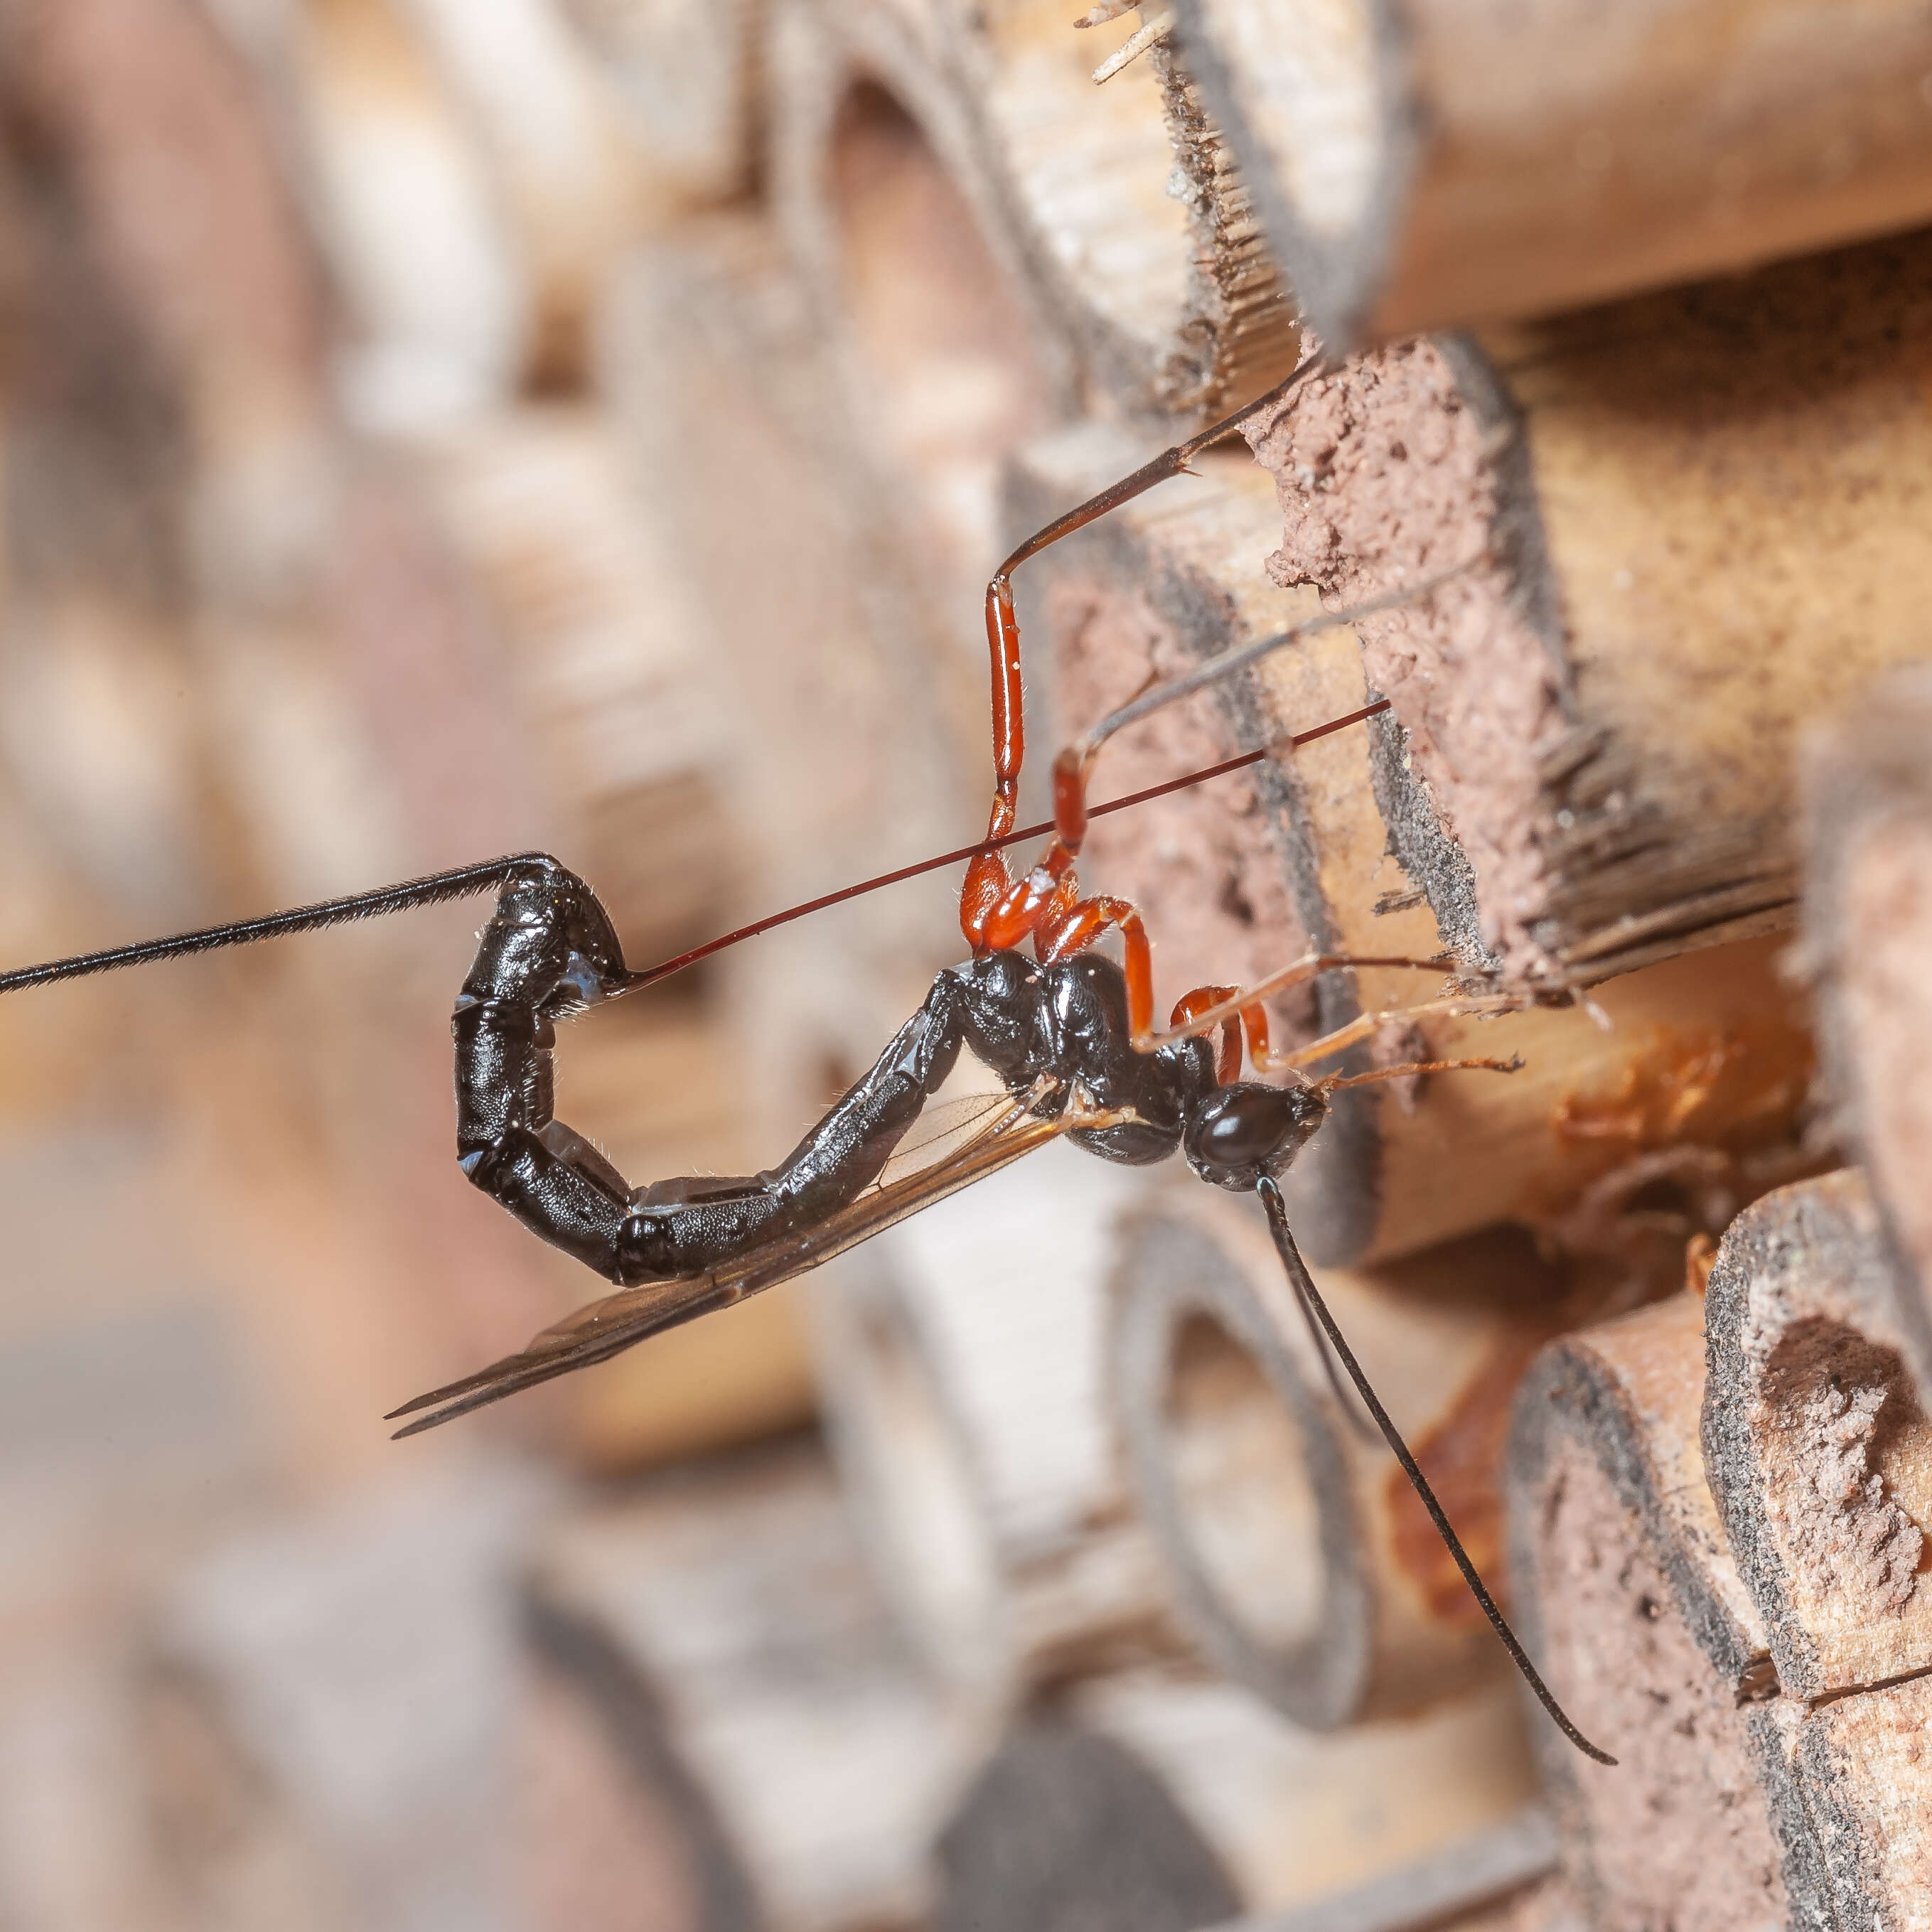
{"x":1424,"y":164}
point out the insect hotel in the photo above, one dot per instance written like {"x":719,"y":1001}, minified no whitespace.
{"x":534,"y":490}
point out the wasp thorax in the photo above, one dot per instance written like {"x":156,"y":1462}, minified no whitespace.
{"x":1242,"y":1132}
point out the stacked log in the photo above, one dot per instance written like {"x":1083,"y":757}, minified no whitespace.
{"x":1422,"y":166}
{"x":1717,"y":1540}
{"x":1307,"y":1569}
{"x":719,"y":1631}
{"x":1164,"y":1802}
{"x":1865,"y":914}
{"x":605,"y":450}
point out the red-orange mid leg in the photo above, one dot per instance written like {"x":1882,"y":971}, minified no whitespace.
{"x":988,"y":881}
{"x":1251,"y":1021}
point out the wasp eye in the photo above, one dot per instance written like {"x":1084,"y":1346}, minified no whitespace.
{"x":1242,"y":1132}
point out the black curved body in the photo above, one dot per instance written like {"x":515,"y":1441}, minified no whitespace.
{"x":549,"y":949}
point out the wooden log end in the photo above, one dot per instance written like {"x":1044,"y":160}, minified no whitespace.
{"x":1622,"y":1594}
{"x":1868,"y":935}
{"x":1817,"y":1448}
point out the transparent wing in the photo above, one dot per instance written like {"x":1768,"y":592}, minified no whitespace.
{"x":998,"y":1131}
{"x":945,"y":1128}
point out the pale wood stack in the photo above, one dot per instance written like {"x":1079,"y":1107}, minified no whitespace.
{"x":647,"y":392}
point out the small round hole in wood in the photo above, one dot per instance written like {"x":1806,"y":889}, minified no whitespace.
{"x":1235,"y":1455}
{"x":1236,"y":1463}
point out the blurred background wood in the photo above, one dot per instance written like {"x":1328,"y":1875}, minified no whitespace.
{"x":1423,"y":164}
{"x":1867,"y":918}
{"x":962,"y":1364}
{"x":1161,"y":1802}
{"x":720,"y":1623}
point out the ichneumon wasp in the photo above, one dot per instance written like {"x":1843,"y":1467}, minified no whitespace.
{"x":1070,"y":1033}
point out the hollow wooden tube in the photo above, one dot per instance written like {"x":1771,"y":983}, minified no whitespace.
{"x":817,"y":634}
{"x":719,"y":1631}
{"x":1819,"y":1455}
{"x":686,"y":79}
{"x":960,"y":1379}
{"x":1127,"y":209}
{"x":1867,"y":935}
{"x":1684,"y":527}
{"x":1429,"y":163}
{"x":1713,"y":1519}
{"x":1701,"y":1062}
{"x":1819,"y":1452}
{"x":1626,"y":1593}
{"x":1162,"y":1800}
{"x":1303,"y":1565}
{"x":1112,"y":211}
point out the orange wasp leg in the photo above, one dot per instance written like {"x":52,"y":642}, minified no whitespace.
{"x":989,"y":885}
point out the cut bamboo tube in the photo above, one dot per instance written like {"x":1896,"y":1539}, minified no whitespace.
{"x":1304,"y":1565}
{"x":1819,"y":1453}
{"x":1868,"y":935}
{"x":686,"y":77}
{"x":720,"y":1624}
{"x":1682,"y":528}
{"x":1627,"y":1595}
{"x":1164,"y":1801}
{"x":1688,"y":1075}
{"x":960,"y":1370}
{"x":1132,"y":222}
{"x":1422,"y":164}
{"x":1112,"y":211}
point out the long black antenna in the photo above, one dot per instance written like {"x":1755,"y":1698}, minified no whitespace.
{"x":434,"y":890}
{"x":1310,"y":1297}
{"x":462,"y":881}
